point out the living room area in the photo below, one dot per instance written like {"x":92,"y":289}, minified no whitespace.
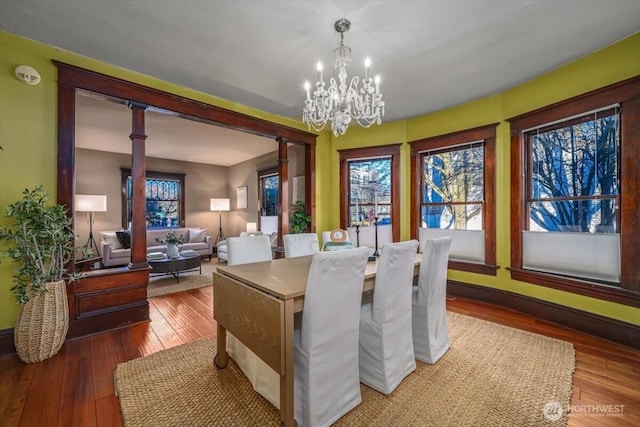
{"x":182,"y":182}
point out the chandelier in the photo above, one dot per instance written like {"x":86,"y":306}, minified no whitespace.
{"x":341,"y":103}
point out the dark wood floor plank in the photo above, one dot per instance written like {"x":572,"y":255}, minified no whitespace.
{"x":45,"y":392}
{"x":78,"y":404}
{"x":146,"y":338}
{"x":108,"y":412}
{"x":104,"y":362}
{"x":125,"y":345}
{"x":14,"y":389}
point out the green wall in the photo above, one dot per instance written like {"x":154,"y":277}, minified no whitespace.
{"x":28,"y":135}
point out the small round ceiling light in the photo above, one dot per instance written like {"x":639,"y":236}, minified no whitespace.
{"x":27,"y":75}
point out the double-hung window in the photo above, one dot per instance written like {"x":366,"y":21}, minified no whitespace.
{"x":164,"y":193}
{"x":454,"y":195}
{"x":369,"y":189}
{"x":575,"y":179}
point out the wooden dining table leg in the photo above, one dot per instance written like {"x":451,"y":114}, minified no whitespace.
{"x":287,"y":380}
{"x":221,"y":359}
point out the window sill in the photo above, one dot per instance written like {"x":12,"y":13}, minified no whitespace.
{"x":489,"y":270}
{"x":592,"y":289}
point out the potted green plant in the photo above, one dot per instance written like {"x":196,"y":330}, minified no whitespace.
{"x":299,"y":220}
{"x":40,"y":243}
{"x":171,"y":240}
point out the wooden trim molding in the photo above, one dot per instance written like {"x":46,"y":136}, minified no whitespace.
{"x":116,"y":304}
{"x":603,"y":327}
{"x":346,"y":155}
{"x":7,"y":343}
{"x":627,"y":94}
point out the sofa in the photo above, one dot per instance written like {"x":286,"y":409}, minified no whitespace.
{"x":116,"y":249}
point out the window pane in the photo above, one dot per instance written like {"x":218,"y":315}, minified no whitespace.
{"x":270,"y":195}
{"x":452,"y":217}
{"x":454,"y":176}
{"x":577,"y":163}
{"x":162,"y":202}
{"x":576,"y":160}
{"x":592,"y":216}
{"x":370,"y":191}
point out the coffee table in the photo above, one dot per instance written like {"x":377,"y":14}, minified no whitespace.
{"x":175,"y":266}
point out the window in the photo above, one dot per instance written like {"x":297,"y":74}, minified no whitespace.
{"x":453,"y":195}
{"x":269,"y":188}
{"x":453,"y":188}
{"x":369,"y":191}
{"x":164,"y":199}
{"x":574,"y":204}
{"x":573,"y":180}
{"x":370,"y":187}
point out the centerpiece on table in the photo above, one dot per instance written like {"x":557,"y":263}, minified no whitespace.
{"x":40,"y":244}
{"x":171,"y":241}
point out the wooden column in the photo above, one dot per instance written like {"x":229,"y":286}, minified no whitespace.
{"x":138,"y":199}
{"x":309,"y":183}
{"x":283,"y":202}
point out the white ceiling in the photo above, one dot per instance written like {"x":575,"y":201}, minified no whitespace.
{"x":104,"y":125}
{"x":431,"y":54}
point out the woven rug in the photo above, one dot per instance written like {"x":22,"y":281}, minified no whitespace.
{"x":492,"y":375}
{"x":167,"y":284}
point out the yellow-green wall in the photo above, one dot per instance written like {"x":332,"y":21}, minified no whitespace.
{"x":28,"y":135}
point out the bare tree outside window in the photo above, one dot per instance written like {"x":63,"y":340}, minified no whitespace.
{"x":574,"y":177}
{"x":453,"y":188}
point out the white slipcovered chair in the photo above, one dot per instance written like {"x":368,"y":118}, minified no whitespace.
{"x":386,"y":343}
{"x":429,"y":302}
{"x":245,"y":250}
{"x":327,"y":383}
{"x":301,"y":244}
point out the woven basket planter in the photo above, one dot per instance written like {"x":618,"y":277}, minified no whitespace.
{"x":42,"y":324}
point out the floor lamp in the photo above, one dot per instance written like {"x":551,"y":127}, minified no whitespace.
{"x":219,"y":205}
{"x":90,"y":203}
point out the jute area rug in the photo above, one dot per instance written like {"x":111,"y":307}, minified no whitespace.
{"x":491,"y":376}
{"x":167,"y":284}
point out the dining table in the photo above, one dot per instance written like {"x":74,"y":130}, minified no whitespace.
{"x":257,"y":302}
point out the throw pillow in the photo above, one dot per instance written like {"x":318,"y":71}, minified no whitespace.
{"x":111,"y":238}
{"x":197,"y":235}
{"x":124,"y":238}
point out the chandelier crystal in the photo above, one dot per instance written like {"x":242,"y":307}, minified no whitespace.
{"x":341,"y":103}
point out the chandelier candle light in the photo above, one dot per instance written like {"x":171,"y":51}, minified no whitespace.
{"x":340,"y":103}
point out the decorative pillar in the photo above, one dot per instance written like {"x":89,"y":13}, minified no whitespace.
{"x":138,"y":196}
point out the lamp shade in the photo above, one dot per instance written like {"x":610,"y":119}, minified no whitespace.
{"x":90,"y":203}
{"x":219,"y":205}
{"x":252,"y":227}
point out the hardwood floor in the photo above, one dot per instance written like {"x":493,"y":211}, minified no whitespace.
{"x":75,"y":388}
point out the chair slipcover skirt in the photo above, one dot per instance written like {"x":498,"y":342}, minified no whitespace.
{"x":429,"y":299}
{"x":386,"y":346}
